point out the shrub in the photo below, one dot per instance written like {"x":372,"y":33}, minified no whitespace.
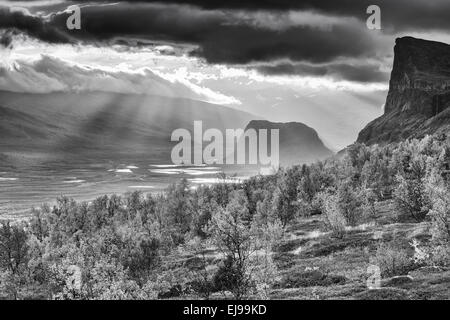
{"x":203,"y":288}
{"x":410,"y":194}
{"x":349,"y":203}
{"x":342,"y":208}
{"x":392,"y":260}
{"x":334,"y":219}
{"x":231,"y":277}
{"x":439,"y":194}
{"x":13,"y":247}
{"x":247,"y":248}
{"x":411,"y":198}
{"x":368,"y":199}
{"x":284,"y":204}
{"x":264,"y":271}
{"x":200,"y":268}
{"x":231,"y":234}
{"x":440,"y":255}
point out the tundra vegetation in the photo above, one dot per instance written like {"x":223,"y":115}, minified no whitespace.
{"x":305,"y":232}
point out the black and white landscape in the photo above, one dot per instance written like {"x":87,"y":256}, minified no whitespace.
{"x":93,"y":206}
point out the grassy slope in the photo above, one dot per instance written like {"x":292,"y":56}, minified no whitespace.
{"x":341,"y":264}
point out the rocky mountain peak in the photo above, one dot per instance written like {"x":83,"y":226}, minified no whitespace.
{"x":419,"y":93}
{"x":299,"y":143}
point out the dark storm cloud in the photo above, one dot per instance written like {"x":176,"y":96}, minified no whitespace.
{"x":242,"y":44}
{"x":337,"y":71}
{"x":32,"y":25}
{"x":398,"y":15}
{"x":222,"y":36}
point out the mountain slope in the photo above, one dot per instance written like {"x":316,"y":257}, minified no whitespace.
{"x":298,"y":143}
{"x":419,"y":93}
{"x":103,"y":125}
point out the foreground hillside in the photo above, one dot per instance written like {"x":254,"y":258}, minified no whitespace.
{"x":315,"y":265}
{"x":330,"y":230}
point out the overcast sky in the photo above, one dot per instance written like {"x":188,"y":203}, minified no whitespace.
{"x":312,"y":61}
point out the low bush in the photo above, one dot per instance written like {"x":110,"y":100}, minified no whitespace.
{"x":393,"y":261}
{"x":440,"y":255}
{"x":334,"y":219}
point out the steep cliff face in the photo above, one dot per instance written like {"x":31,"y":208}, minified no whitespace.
{"x":419,"y":93}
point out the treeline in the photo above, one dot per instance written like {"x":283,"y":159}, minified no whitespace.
{"x":216,"y":240}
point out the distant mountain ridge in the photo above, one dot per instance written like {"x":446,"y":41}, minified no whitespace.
{"x":419,"y":93}
{"x":101,"y":124}
{"x":299,"y":144}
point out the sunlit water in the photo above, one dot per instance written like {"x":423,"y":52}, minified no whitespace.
{"x":31,"y":187}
